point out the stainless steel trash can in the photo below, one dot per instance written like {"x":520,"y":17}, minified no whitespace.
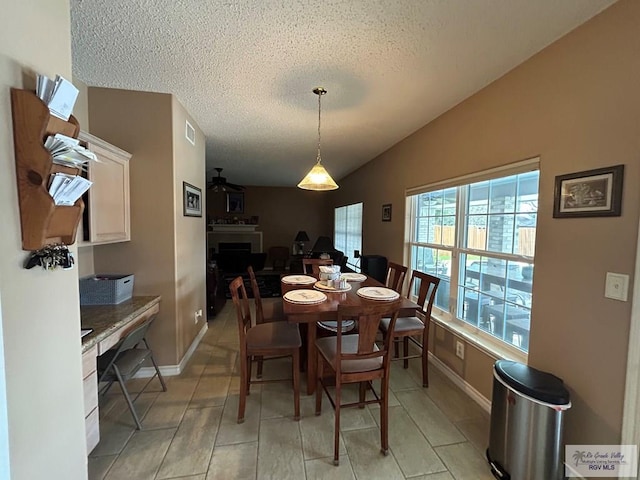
{"x":525,"y":436}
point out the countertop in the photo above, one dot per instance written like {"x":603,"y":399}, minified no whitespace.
{"x":105,"y":319}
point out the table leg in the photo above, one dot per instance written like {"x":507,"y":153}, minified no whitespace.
{"x":312,"y":359}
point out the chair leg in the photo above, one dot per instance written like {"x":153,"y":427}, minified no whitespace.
{"x":242,"y":401}
{"x":259,"y":371}
{"x":405,"y":342}
{"x":336,"y":438}
{"x":363,"y":394}
{"x":105,"y":389}
{"x":319,"y":388}
{"x":249,"y":365}
{"x":396,"y":347}
{"x":384,"y":415}
{"x":164,"y":385}
{"x":425,"y":358}
{"x":128,"y":398}
{"x":153,"y":360}
{"x":295,"y":359}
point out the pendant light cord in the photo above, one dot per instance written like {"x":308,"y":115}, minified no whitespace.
{"x":320,"y":93}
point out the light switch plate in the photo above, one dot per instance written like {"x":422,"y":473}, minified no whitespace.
{"x":616,"y":286}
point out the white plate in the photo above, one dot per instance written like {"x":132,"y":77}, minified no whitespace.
{"x":327,"y":288}
{"x":353,"y":277}
{"x":304,"y":296}
{"x":378,"y":293}
{"x":299,"y":280}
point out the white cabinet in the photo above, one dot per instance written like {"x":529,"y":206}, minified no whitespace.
{"x":90,"y":385}
{"x":106,"y":219}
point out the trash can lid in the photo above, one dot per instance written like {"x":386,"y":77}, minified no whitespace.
{"x":536,"y":384}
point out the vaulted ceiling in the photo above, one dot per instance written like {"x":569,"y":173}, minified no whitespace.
{"x":245,"y":69}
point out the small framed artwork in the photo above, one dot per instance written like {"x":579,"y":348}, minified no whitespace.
{"x":593,"y":193}
{"x":386,"y":212}
{"x":192,"y":200}
{"x":235,"y":202}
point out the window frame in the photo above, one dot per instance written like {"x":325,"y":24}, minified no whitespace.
{"x":354,"y":263}
{"x":449,"y":318}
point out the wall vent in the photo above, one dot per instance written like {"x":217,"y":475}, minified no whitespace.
{"x":190,"y":133}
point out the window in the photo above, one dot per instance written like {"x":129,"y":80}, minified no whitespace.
{"x":348,"y":231}
{"x":479,"y":238}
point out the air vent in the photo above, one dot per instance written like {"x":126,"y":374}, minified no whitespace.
{"x":190,"y":133}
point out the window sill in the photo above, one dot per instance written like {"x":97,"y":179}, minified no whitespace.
{"x":494,"y":349}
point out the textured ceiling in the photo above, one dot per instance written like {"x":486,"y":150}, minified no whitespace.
{"x":245,"y":69}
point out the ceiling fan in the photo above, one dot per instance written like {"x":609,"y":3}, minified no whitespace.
{"x":220,"y":184}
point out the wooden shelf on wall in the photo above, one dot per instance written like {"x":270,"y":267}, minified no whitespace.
{"x":42,"y":221}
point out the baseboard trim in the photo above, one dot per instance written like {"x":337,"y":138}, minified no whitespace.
{"x":172,"y":370}
{"x":475,"y":395}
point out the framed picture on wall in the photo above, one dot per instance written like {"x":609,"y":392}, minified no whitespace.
{"x":386,"y":212}
{"x":235,"y":202}
{"x":192,"y":200}
{"x":593,"y":193}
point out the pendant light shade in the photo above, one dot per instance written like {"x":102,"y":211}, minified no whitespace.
{"x":318,"y":178}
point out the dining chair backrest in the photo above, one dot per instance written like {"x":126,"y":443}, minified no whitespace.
{"x":426,"y":286}
{"x":256,"y":295}
{"x":311,"y":266}
{"x":395,"y":276}
{"x":243,"y":312}
{"x":368,"y":317}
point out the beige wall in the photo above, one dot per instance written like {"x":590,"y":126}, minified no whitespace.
{"x":40,"y":309}
{"x":141,"y":124}
{"x":303,"y":210}
{"x":576,"y":105}
{"x":167,"y":250}
{"x":190,"y":248}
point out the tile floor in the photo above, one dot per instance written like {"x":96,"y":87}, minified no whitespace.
{"x":190,"y":431}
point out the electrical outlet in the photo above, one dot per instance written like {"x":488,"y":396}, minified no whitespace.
{"x":196,"y":315}
{"x":459,"y":349}
{"x":617,"y":286}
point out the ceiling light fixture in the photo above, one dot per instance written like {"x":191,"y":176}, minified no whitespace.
{"x":318,"y":178}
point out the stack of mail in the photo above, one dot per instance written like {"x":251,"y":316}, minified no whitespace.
{"x":67,"y":189}
{"x":68,"y":151}
{"x":59,"y":95}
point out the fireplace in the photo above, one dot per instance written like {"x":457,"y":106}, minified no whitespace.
{"x":226,"y":247}
{"x":234,"y":235}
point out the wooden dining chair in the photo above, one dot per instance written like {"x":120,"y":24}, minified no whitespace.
{"x":395,"y":276}
{"x":265,"y":312}
{"x":311,"y":266}
{"x":357,"y":359}
{"x":264,"y":340}
{"x":408,"y":328}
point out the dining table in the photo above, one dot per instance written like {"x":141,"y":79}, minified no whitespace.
{"x":327,"y":310}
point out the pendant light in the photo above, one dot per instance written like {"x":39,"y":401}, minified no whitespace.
{"x":318,"y":178}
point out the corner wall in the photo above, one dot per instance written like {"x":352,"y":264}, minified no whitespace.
{"x":576,"y":104}
{"x":141,"y":124}
{"x":190,"y":241}
{"x":40,"y":309}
